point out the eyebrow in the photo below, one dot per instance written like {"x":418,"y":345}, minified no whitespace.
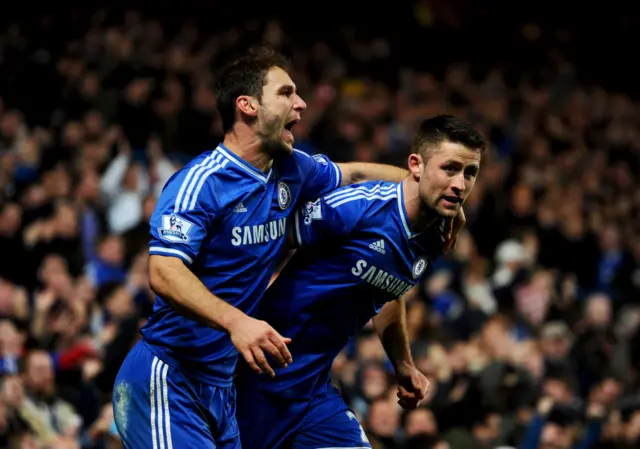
{"x":456,"y":162}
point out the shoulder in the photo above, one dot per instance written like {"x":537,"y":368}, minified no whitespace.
{"x":364,"y":195}
{"x":199,"y":180}
{"x":205,"y":167}
{"x":305,"y":160}
{"x":300,"y":155}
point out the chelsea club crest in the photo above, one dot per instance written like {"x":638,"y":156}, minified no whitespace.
{"x":419,"y":266}
{"x":284,"y":196}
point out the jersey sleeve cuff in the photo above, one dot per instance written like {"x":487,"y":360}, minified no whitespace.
{"x":161,"y":251}
{"x":338,"y":175}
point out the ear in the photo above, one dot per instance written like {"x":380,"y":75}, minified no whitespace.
{"x":247,"y":105}
{"x":416,"y":166}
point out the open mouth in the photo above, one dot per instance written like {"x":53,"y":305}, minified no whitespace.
{"x":289,"y":126}
{"x":286,"y":132}
{"x":453,"y":200}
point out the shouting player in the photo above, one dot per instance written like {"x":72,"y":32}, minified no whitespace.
{"x":364,"y":246}
{"x":216,"y":236}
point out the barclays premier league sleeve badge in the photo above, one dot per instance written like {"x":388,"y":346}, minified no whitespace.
{"x":320,"y":159}
{"x":175,"y":229}
{"x":312,"y":210}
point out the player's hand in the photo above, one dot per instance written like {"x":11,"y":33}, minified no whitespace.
{"x":452,"y":229}
{"x":413,"y":386}
{"x":253,"y":338}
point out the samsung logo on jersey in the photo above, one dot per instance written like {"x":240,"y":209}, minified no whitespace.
{"x":256,"y":234}
{"x":380,"y":278}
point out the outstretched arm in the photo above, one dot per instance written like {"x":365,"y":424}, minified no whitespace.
{"x":353,"y":172}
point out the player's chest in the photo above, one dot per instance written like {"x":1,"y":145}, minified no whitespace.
{"x":386,"y":266}
{"x":257,"y":218}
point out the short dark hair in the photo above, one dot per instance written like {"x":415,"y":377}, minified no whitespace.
{"x":446,"y":128}
{"x":244,"y":75}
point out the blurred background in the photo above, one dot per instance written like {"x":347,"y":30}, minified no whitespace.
{"x":529,"y":330}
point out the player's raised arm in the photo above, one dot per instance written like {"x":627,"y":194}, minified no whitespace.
{"x":353,"y":172}
{"x":322,"y":175}
{"x":391,"y":326}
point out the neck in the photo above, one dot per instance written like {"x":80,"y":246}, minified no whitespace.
{"x":247,"y":146}
{"x":420,"y":218}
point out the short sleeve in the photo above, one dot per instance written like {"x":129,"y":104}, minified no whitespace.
{"x":325,"y":218}
{"x":320,"y":175}
{"x":184,"y":213}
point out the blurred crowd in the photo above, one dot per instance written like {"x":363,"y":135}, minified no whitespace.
{"x":529,"y":330}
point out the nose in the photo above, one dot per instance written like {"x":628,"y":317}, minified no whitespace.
{"x":458,"y":183}
{"x":299,"y":105}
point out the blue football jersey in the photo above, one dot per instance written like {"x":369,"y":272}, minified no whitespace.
{"x":227,"y":221}
{"x":359,"y":253}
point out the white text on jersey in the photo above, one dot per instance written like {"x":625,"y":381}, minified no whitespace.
{"x":256,"y":234}
{"x":380,"y":278}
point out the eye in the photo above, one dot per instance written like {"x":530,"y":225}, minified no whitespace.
{"x":450,"y":169}
{"x":471,"y":173}
{"x":287,"y":91}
